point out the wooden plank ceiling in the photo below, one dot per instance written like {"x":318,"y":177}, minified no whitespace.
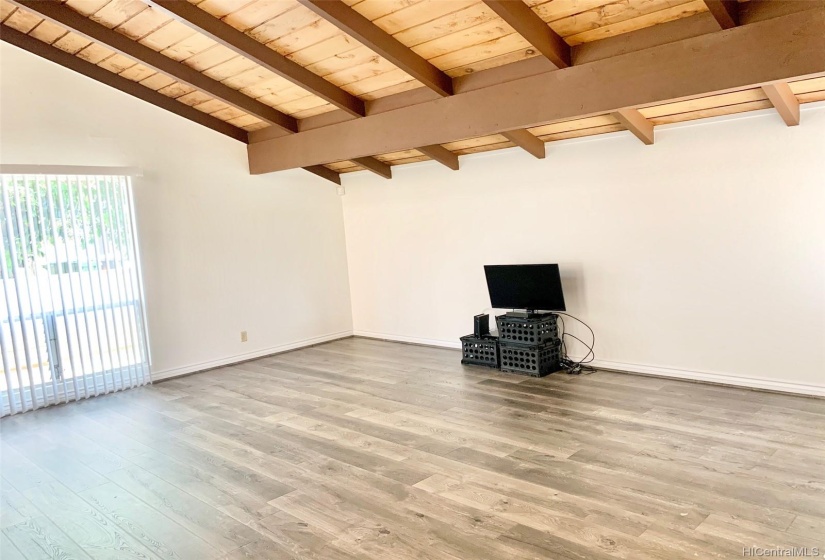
{"x":206,"y":55}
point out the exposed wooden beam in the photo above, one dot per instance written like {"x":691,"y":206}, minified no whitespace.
{"x":440,"y":154}
{"x":646,"y":38}
{"x":784,"y":101}
{"x":65,"y":16}
{"x":748,"y":56}
{"x":376,"y":166}
{"x":382,"y":43}
{"x":259,"y":53}
{"x":111,"y":79}
{"x":525,"y":140}
{"x":325,"y":173}
{"x":533,"y":29}
{"x":633,"y":120}
{"x":725,"y":12}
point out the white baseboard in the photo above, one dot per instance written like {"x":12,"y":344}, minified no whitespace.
{"x":409,"y":339}
{"x":715,"y":378}
{"x":194,"y":368}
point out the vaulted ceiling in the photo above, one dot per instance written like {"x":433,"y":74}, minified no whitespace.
{"x":336,"y":86}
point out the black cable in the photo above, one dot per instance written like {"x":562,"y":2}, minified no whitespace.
{"x":575,"y":367}
{"x":571,"y":366}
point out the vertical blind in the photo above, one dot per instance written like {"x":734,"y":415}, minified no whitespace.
{"x":71,"y":313}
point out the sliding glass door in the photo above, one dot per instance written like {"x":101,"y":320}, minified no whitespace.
{"x":71,"y":312}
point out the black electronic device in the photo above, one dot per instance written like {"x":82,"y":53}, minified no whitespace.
{"x":531,"y":287}
{"x":481,"y":325}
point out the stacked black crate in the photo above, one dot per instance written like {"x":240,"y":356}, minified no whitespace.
{"x":529,"y":345}
{"x":479,"y":350}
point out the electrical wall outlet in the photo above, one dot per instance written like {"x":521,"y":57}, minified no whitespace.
{"x":244,"y":338}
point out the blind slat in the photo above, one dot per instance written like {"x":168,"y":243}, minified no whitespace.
{"x":71,"y":288}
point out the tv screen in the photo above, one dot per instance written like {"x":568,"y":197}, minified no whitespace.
{"x":525,"y":286}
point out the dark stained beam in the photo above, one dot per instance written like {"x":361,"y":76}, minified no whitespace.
{"x":325,"y":173}
{"x":784,"y":101}
{"x":65,"y":16}
{"x":259,"y":53}
{"x":633,"y":120}
{"x":111,"y":79}
{"x":440,"y":154}
{"x":525,"y":140}
{"x":748,"y":56}
{"x":376,"y":166}
{"x":534,"y":30}
{"x":725,"y":12}
{"x":382,"y":43}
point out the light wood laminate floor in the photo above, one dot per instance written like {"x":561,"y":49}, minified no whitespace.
{"x":367,"y":449}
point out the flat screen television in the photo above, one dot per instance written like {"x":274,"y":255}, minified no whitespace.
{"x":534,"y":287}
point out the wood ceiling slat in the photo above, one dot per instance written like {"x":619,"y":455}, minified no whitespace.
{"x":691,"y":66}
{"x":23,"y":21}
{"x":252,"y":50}
{"x":577,"y":124}
{"x":809,"y":85}
{"x":255,"y":14}
{"x":158,"y":81}
{"x":608,"y":15}
{"x":457,"y":62}
{"x":72,"y":20}
{"x":92,"y":52}
{"x":143,"y":24}
{"x":176,"y":90}
{"x":534,"y":30}
{"x":474,"y":15}
{"x":663,"y":16}
{"x":400,"y":87}
{"x":707,"y":102}
{"x":87,"y":7}
{"x":712,"y":112}
{"x":363,"y":30}
{"x":221,"y":8}
{"x":72,"y":43}
{"x":47,"y":32}
{"x":170,"y":34}
{"x":466,"y":143}
{"x":553,"y":10}
{"x":117,"y":12}
{"x":486,"y":148}
{"x":418,"y":14}
{"x":582,"y":132}
{"x":374,"y":9}
{"x":6,"y":9}
{"x":809,"y":97}
{"x":99,"y":74}
{"x":137,"y":73}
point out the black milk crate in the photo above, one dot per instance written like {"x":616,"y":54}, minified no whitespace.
{"x":479,"y":351}
{"x":536,"y":361}
{"x":531,"y":332}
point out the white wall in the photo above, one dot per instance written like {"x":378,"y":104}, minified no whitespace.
{"x":702,"y":256}
{"x":222,"y":251}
